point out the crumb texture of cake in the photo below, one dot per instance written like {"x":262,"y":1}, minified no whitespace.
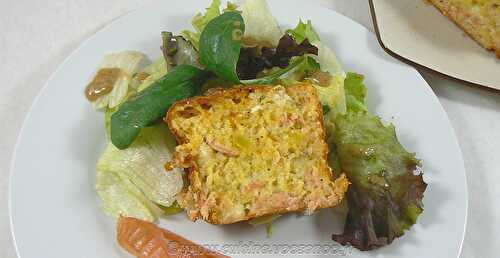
{"x":479,"y":18}
{"x":253,"y":151}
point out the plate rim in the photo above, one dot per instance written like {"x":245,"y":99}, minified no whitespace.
{"x":415,"y":64}
{"x":84,"y":42}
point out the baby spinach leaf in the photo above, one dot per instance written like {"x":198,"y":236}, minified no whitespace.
{"x":152,"y":103}
{"x":220,"y":45}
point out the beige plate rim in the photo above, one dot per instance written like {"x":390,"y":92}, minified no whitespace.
{"x":420,"y":65}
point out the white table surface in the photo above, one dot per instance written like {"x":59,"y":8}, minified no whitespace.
{"x":37,"y":35}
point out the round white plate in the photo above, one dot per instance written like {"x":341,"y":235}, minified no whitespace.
{"x":53,"y":206}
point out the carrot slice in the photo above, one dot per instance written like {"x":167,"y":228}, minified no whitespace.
{"x":146,"y":240}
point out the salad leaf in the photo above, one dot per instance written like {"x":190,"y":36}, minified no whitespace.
{"x":304,"y":31}
{"x":261,"y":26}
{"x":332,"y":94}
{"x":140,"y":111}
{"x":143,"y":164}
{"x":178,"y":51}
{"x":172,"y":209}
{"x":326,"y":109}
{"x":262,"y":220}
{"x":385,"y":197}
{"x":266,"y":220}
{"x":230,"y":7}
{"x":119,"y":196}
{"x":296,"y":63}
{"x":154,"y":72}
{"x":325,"y":56}
{"x":355,"y":92}
{"x":107,"y":120}
{"x":269,"y":229}
{"x":133,"y":182}
{"x":328,"y":60}
{"x":330,"y":88}
{"x":220,"y":45}
{"x":129,"y":63}
{"x":200,"y":21}
{"x":288,"y":48}
{"x":254,"y":60}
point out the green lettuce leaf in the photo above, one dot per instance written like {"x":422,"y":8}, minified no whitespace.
{"x":156,"y":70}
{"x":261,"y":26}
{"x":129,"y":62}
{"x":266,"y":220}
{"x":304,"y":31}
{"x":293,"y":73}
{"x":355,"y":92}
{"x":201,"y":20}
{"x":136,"y":175}
{"x":385,"y":197}
{"x":172,"y":209}
{"x":333,"y":96}
{"x":230,"y":7}
{"x":303,"y":68}
{"x":119,"y":196}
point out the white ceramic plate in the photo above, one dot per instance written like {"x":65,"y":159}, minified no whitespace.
{"x":54,"y":209}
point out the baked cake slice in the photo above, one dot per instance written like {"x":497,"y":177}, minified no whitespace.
{"x":252,"y":151}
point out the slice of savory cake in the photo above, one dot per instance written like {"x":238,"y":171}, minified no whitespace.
{"x":253,"y":151}
{"x":479,"y":18}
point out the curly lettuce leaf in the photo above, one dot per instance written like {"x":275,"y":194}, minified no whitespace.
{"x":304,"y":31}
{"x":355,"y":92}
{"x":332,"y":96}
{"x":200,"y":21}
{"x":385,"y":197}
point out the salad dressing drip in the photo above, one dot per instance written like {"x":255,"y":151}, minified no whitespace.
{"x":320,"y":78}
{"x":102,"y":83}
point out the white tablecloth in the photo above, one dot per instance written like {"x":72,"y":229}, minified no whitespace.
{"x":35,"y":36}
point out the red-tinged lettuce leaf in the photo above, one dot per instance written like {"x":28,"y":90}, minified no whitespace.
{"x":385,"y":197}
{"x":254,"y":60}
